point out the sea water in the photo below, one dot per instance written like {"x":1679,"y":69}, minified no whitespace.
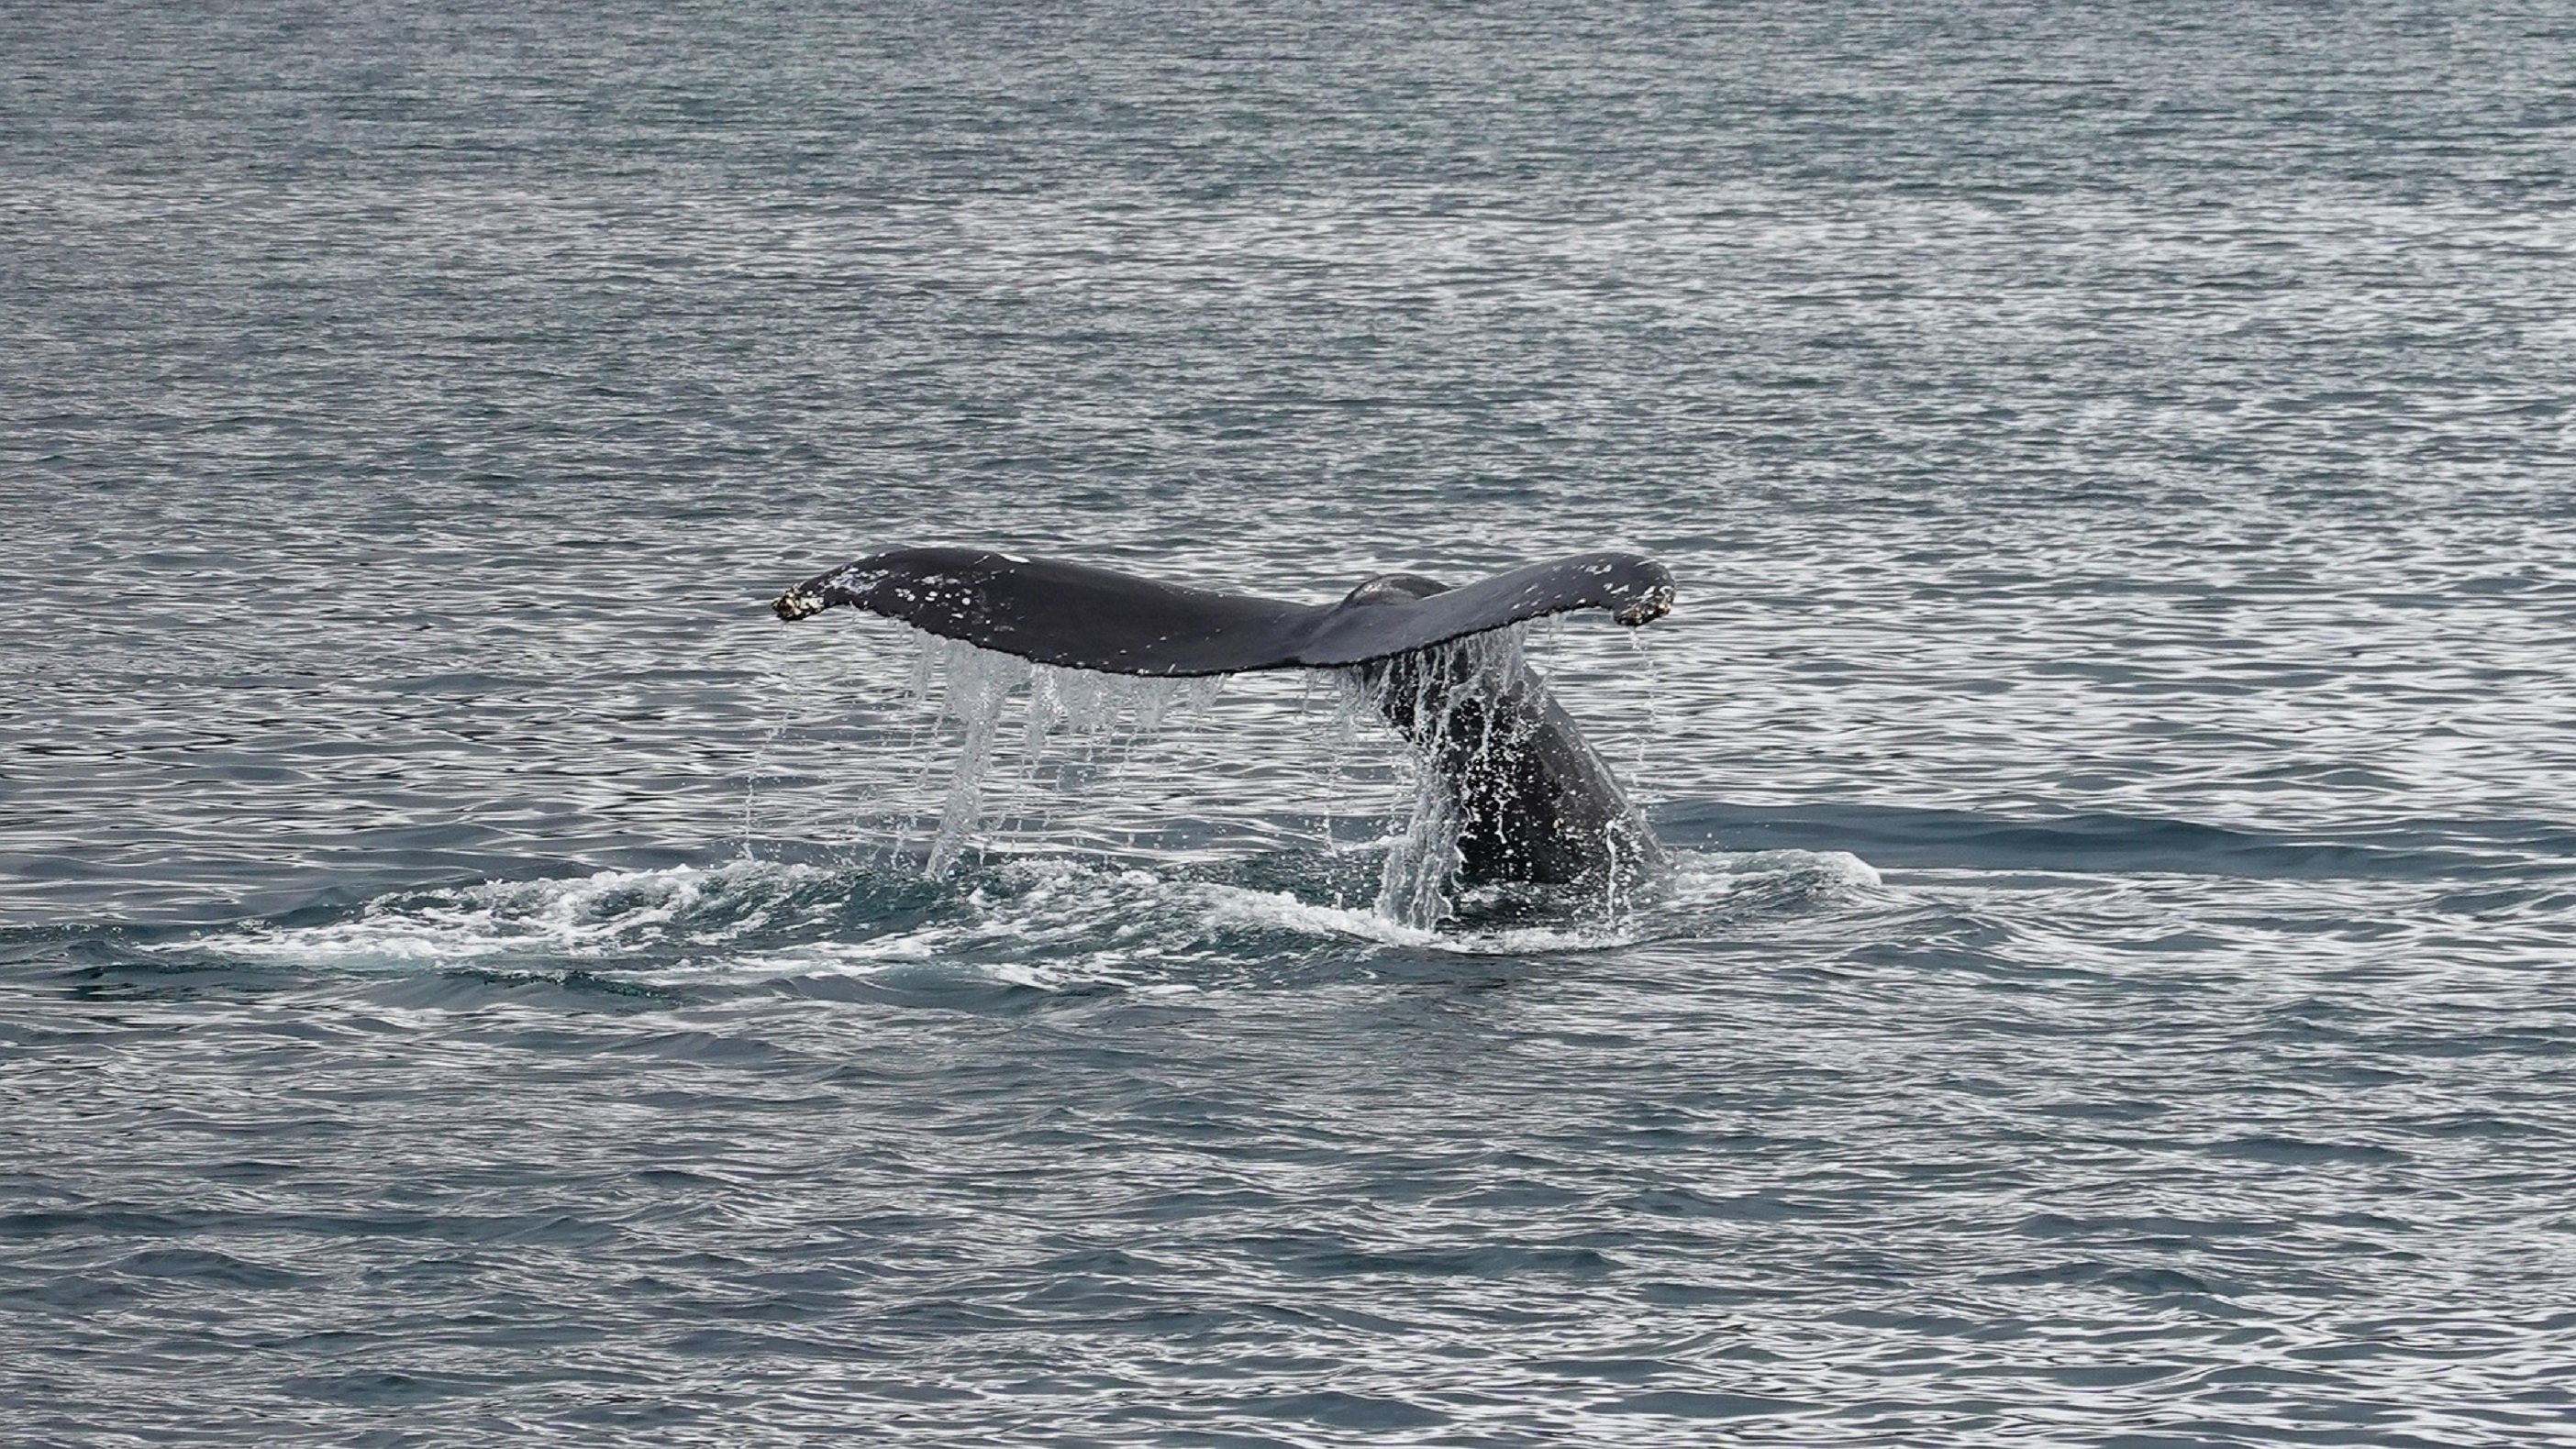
{"x":467,"y":971}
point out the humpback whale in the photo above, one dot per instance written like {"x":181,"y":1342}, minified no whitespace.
{"x":1534,"y":802}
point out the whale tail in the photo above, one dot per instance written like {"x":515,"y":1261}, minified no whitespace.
{"x":1535,"y":802}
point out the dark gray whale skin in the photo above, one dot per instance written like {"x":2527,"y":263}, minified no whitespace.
{"x":1535,"y":802}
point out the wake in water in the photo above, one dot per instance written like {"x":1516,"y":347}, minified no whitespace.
{"x":1049,"y":924}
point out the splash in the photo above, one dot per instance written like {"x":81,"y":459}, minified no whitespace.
{"x":610,"y":916}
{"x":1422,"y":697}
{"x":989,"y":698}
{"x":1505,"y":786}
{"x":1047,"y":924}
{"x":1485,"y":777}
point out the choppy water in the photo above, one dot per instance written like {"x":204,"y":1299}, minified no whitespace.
{"x":464,"y":969}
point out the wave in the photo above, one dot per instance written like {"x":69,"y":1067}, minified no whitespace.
{"x":2115,"y":844}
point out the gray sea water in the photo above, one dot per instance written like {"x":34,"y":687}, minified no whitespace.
{"x":467,"y":972}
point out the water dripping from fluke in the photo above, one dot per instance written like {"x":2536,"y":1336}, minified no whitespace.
{"x":1079,"y":712}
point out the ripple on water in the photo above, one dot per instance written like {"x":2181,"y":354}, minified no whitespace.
{"x":2114,"y":459}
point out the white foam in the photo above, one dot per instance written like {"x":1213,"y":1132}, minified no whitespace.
{"x":1236,"y":907}
{"x":1048,"y":923}
{"x":587,"y":918}
{"x":1709,"y":877}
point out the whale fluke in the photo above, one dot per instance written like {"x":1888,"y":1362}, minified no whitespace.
{"x":1080,"y":617}
{"x":1535,"y":802}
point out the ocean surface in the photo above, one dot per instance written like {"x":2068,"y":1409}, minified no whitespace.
{"x":469,"y":974}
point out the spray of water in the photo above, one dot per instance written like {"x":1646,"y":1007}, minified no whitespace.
{"x":1463,"y":707}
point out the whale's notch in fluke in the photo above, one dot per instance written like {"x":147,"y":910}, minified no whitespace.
{"x":1536,"y":802}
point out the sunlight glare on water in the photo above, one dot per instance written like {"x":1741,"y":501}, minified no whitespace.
{"x":464,"y":963}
